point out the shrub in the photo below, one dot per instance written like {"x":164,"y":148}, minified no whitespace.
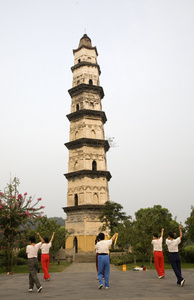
{"x":122,"y":259}
{"x":187,"y":254}
{"x":21,"y":261}
{"x":22,"y":253}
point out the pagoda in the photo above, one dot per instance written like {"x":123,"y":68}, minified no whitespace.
{"x":87,"y":166}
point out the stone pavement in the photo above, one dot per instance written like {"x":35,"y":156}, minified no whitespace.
{"x":78,"y":282}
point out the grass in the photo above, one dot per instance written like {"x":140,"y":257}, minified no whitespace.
{"x":131,"y":266}
{"x":53,"y":267}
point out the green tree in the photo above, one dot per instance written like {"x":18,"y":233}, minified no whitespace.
{"x":190,"y":225}
{"x":112,"y":217}
{"x":17,"y":212}
{"x":148,"y":221}
{"x":46,"y":227}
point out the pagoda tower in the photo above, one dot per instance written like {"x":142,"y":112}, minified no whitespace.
{"x":87,"y":167}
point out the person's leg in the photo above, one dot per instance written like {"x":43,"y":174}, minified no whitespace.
{"x":34,"y":272}
{"x":100,"y":268}
{"x":47,"y":265}
{"x":162,"y":264}
{"x":156,"y":262}
{"x":107,"y":270}
{"x":43,"y":262}
{"x":175,"y":261}
{"x":31,"y":280}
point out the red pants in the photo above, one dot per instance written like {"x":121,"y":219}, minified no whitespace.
{"x":159,"y":262}
{"x":45,"y":259}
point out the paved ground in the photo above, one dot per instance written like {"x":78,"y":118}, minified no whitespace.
{"x":78,"y":282}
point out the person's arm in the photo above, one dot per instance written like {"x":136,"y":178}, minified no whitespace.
{"x":180,"y":229}
{"x":52,"y":237}
{"x":162,"y":232}
{"x":114,"y":237}
{"x":41,"y":239}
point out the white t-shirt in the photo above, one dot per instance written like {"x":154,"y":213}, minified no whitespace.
{"x":103,"y":246}
{"x":157,"y":244}
{"x":32,"y":251}
{"x":45,"y":248}
{"x":173,"y":244}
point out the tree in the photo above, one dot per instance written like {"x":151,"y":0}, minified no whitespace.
{"x":190,"y":225}
{"x":46,"y":227}
{"x":17,"y":212}
{"x":148,"y":221}
{"x":112,"y":216}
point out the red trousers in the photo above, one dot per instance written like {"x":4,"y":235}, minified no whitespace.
{"x":45,"y":259}
{"x":159,"y":262}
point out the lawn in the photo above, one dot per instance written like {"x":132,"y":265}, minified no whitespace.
{"x":147,"y":265}
{"x":54,"y":267}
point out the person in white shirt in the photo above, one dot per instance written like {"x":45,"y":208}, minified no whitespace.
{"x":32,"y":254}
{"x":158,"y":254}
{"x":175,"y":261}
{"x":102,"y":247}
{"x":45,"y":258}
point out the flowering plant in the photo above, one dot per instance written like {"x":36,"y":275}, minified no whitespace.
{"x":17,"y":213}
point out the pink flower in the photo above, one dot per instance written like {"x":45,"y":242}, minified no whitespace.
{"x":42,"y":207}
{"x":25,"y":194}
{"x":1,"y":206}
{"x":27,"y":213}
{"x":39,"y":199}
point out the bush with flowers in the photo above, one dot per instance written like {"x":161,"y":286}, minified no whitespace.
{"x":17,"y":214}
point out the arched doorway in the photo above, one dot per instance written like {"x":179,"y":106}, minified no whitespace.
{"x":75,"y":244}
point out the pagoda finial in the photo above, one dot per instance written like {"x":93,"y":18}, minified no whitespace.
{"x":85,"y":41}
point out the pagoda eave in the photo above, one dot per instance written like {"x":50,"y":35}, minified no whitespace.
{"x":87,"y":112}
{"x":87,"y":142}
{"x":88,"y":173}
{"x":85,"y":63}
{"x":86,"y":88}
{"x":96,"y":207}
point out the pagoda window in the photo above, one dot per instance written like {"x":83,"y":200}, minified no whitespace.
{"x":94,"y":165}
{"x":91,"y":82}
{"x":76,"y":200}
{"x":77,"y":107}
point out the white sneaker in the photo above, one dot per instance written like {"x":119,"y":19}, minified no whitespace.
{"x":100,"y":286}
{"x":30,"y":290}
{"x":39,"y":290}
{"x":182,"y":282}
{"x":106,"y":287}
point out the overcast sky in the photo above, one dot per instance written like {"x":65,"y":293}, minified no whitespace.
{"x":146,"y":55}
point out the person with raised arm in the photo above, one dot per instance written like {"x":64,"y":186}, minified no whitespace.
{"x":102,"y":247}
{"x":45,"y":258}
{"x":158,"y":253}
{"x":175,"y":261}
{"x":32,"y":254}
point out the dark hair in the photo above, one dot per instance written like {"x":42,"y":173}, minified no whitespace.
{"x":97,"y":240}
{"x":155,"y":235}
{"x":46,"y":239}
{"x":32,"y":239}
{"x":101,"y":236}
{"x":171,"y":234}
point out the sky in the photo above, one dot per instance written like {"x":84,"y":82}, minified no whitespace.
{"x":146,"y":56}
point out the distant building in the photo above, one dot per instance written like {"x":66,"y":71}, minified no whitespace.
{"x":87,"y":169}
